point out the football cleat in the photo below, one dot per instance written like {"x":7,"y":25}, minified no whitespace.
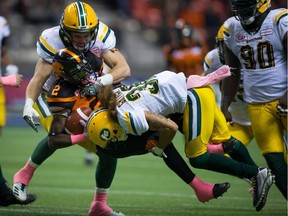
{"x":102,"y":209}
{"x":20,"y":191}
{"x":114,"y":213}
{"x":261,"y":184}
{"x":220,"y":189}
{"x":7,"y":197}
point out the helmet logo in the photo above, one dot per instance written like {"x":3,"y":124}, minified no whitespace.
{"x":105,"y":134}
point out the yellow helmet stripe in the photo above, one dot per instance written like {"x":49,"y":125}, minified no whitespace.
{"x":76,"y":57}
{"x":82,"y":16}
{"x":280,"y":16}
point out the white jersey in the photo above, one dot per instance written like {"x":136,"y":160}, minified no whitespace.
{"x":164,"y":93}
{"x":4,"y":32}
{"x":50,"y":42}
{"x":261,"y":55}
{"x":212,"y":63}
{"x":238,"y":107}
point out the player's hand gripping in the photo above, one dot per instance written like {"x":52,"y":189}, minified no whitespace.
{"x":90,"y":90}
{"x":29,"y":113}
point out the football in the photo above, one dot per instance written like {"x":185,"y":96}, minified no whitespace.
{"x":73,"y":125}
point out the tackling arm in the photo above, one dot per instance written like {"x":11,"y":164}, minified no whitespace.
{"x":42,"y":72}
{"x":118,"y":64}
{"x":230,"y":84}
{"x":164,"y":126}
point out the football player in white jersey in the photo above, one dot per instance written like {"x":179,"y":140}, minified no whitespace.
{"x":256,"y":41}
{"x":79,"y":28}
{"x":11,"y":78}
{"x":144,"y":106}
{"x":240,"y":128}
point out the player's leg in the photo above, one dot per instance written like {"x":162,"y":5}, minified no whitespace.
{"x":204,"y":191}
{"x":243,"y":133}
{"x":42,"y":151}
{"x":6,"y":195}
{"x":198,"y":125}
{"x":104,"y":176}
{"x":2,"y":109}
{"x":268,"y":131}
{"x":232,"y":146}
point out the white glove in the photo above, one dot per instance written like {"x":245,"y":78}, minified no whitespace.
{"x":11,"y":69}
{"x":29,"y":113}
{"x":158,"y":152}
{"x":282,"y":110}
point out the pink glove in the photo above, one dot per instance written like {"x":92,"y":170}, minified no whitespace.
{"x":11,"y":80}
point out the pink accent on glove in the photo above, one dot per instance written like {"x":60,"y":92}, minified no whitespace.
{"x":78,"y":138}
{"x":10,"y":80}
{"x":194,"y":81}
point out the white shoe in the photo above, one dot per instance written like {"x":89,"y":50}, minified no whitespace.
{"x":261,"y":185}
{"x":114,"y":213}
{"x":20,"y":191}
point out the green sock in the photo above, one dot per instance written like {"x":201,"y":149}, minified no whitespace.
{"x":42,"y":151}
{"x":276,"y":162}
{"x":238,"y":151}
{"x":2,"y":179}
{"x":105,"y":170}
{"x":222,"y":164}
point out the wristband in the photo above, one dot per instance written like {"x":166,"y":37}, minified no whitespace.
{"x":78,"y":138}
{"x":107,"y":79}
{"x":10,"y":80}
{"x":11,"y":69}
{"x":29,"y":102}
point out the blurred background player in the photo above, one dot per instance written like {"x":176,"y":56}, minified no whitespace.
{"x":256,"y":42}
{"x":214,"y":60}
{"x":184,"y":53}
{"x":11,"y":78}
{"x":79,"y":28}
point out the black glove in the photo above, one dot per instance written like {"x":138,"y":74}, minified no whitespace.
{"x":90,"y":90}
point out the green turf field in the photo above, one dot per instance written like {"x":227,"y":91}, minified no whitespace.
{"x":143,"y":185}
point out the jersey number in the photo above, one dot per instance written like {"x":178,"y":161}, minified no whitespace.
{"x":133,"y":94}
{"x":56,"y":90}
{"x":265,"y":56}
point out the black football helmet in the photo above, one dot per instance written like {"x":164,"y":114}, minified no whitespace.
{"x":71,"y":64}
{"x":246,"y":10}
{"x":183,"y":30}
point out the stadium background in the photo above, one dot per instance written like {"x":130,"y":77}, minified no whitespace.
{"x":141,"y":27}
